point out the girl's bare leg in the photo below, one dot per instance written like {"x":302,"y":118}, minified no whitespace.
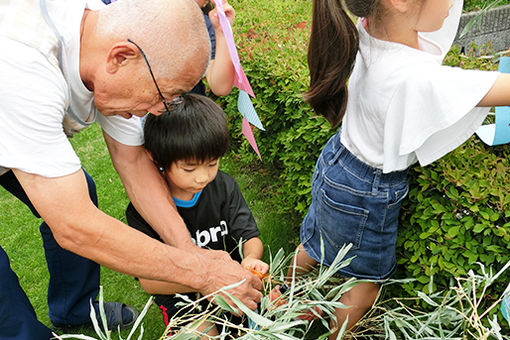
{"x":210,"y":333}
{"x":303,"y":263}
{"x":360,"y":299}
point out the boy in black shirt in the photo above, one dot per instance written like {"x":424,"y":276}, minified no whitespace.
{"x":187,"y":144}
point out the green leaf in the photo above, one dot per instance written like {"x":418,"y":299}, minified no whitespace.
{"x":423,"y":279}
{"x":478,"y":228}
{"x":494,"y":216}
{"x":484,"y":214}
{"x":220,"y":300}
{"x":424,"y":235}
{"x":453,"y":231}
{"x":255,"y":317}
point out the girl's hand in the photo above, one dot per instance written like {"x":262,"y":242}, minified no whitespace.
{"x":255,"y":265}
{"x":215,"y":19}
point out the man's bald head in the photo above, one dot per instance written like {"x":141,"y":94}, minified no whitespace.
{"x":172,"y":33}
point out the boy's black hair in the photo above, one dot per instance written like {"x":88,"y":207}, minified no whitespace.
{"x":195,"y":129}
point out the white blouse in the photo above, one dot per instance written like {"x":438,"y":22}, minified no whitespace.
{"x":404,"y":106}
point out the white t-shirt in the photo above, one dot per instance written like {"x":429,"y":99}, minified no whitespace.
{"x":404,"y":106}
{"x":35,"y":96}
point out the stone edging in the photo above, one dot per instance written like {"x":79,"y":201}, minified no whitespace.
{"x":494,"y":27}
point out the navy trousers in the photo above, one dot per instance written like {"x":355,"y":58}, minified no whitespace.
{"x":74,"y":280}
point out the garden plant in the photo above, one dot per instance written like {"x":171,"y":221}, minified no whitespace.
{"x":460,"y":310}
{"x":457,"y":212}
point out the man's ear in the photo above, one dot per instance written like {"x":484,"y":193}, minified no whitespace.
{"x":121,"y":54}
{"x":152,"y":160}
{"x":149,"y":155}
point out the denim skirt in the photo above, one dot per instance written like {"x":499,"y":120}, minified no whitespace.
{"x":353,"y":203}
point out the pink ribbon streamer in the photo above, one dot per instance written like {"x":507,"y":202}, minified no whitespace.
{"x":240,"y":80}
{"x":248,"y":133}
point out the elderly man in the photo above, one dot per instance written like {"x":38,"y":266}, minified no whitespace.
{"x":63,"y":65}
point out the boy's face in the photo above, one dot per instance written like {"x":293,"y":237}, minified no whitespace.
{"x":186,"y":178}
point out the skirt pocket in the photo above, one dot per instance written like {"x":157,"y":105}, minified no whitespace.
{"x":341,"y":223}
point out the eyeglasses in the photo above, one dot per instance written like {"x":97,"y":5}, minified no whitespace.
{"x":152,"y":75}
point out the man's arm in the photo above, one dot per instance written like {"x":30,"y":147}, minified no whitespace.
{"x":164,"y":288}
{"x":151,"y":197}
{"x":149,"y":192}
{"x":253,"y":250}
{"x":80,"y":227}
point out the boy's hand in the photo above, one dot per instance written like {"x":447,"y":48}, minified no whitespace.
{"x":255,"y":265}
{"x":215,"y":19}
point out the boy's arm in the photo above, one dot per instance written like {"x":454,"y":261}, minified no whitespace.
{"x":220,"y":75}
{"x":252,"y":251}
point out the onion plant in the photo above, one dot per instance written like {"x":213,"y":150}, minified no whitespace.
{"x":459,"y":313}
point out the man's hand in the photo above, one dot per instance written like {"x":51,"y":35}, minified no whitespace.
{"x":214,"y":254}
{"x":220,"y":271}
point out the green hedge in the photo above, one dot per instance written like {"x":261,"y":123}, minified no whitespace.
{"x":458,"y":210}
{"x":272,"y":38}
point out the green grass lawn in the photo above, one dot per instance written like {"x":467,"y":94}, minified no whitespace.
{"x":19,"y":233}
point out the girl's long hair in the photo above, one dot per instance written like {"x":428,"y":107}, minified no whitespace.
{"x":332,"y":51}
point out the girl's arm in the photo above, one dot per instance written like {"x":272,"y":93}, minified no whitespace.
{"x":499,"y":94}
{"x":220,"y":75}
{"x":252,"y":251}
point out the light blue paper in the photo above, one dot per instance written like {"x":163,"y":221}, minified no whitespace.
{"x":505,"y":308}
{"x":252,"y":324}
{"x":499,"y":133}
{"x":246,"y":108}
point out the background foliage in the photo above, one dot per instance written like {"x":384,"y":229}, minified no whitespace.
{"x":458,"y":211}
{"x":475,"y":5}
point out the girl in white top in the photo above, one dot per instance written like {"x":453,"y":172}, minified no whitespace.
{"x":401,"y":106}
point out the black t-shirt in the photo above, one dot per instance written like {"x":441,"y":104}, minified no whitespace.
{"x":217,"y":218}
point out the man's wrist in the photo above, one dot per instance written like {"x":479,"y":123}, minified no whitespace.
{"x":189,"y":246}
{"x":195,"y":269}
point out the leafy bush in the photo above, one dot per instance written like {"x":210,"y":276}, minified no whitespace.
{"x":458,"y":211}
{"x":272,"y":39}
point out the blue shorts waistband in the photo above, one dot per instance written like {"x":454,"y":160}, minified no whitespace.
{"x":362,"y":169}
